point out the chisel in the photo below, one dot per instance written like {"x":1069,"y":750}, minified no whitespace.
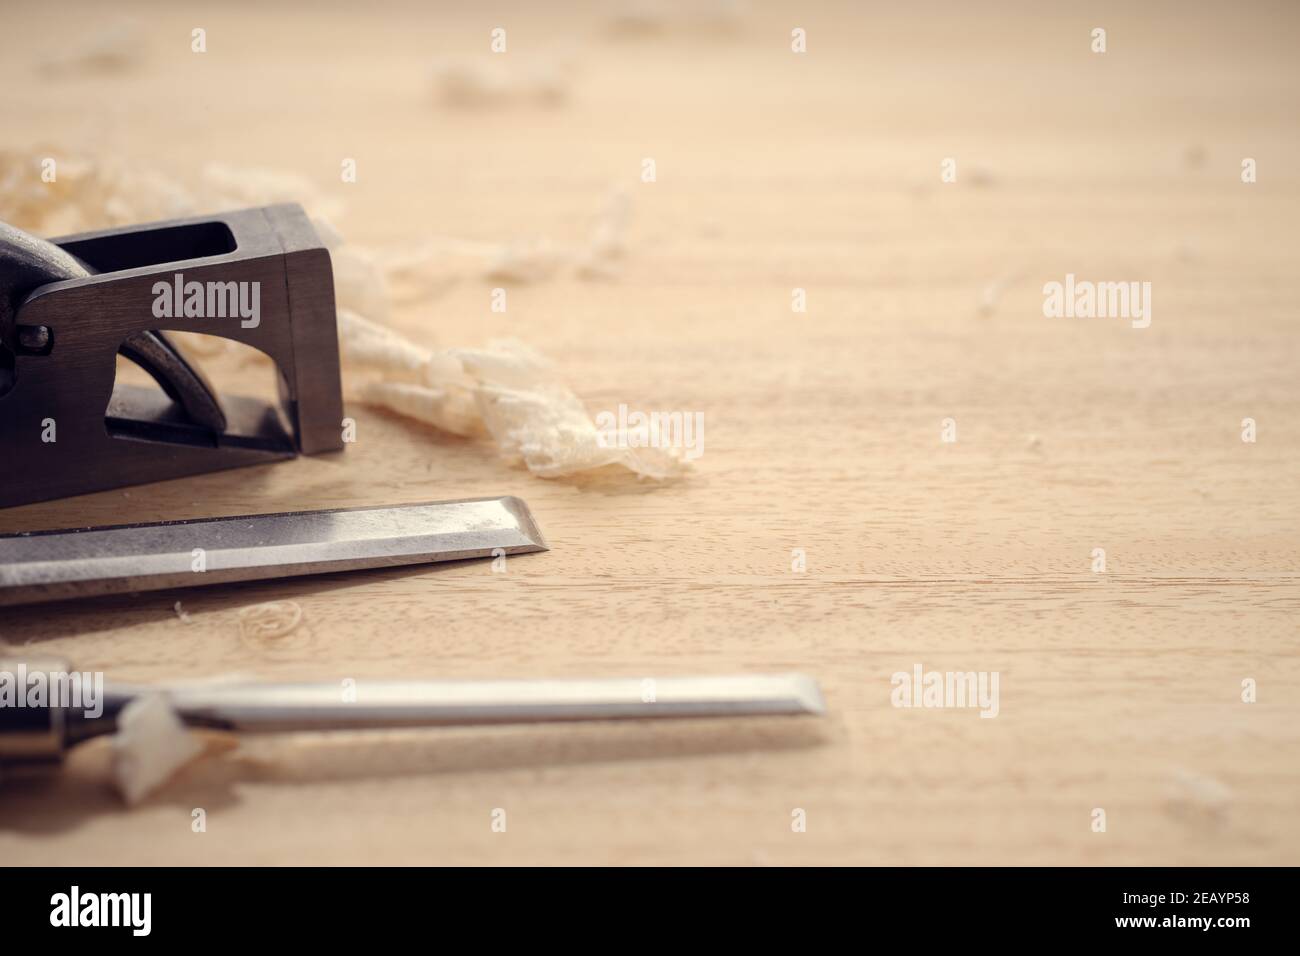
{"x":52,"y":565}
{"x":78,"y":706}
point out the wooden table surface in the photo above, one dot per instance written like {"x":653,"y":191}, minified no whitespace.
{"x":1119,"y":690}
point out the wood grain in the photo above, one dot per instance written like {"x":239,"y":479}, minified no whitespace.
{"x":1120,"y":690}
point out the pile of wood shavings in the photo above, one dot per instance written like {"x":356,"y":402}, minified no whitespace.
{"x":506,"y":391}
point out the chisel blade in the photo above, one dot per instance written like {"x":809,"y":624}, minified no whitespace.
{"x":42,"y":566}
{"x":262,"y":707}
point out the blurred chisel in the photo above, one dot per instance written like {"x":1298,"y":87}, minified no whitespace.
{"x":40,"y":566}
{"x":37,"y":735}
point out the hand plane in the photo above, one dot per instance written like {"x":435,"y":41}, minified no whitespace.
{"x":70,"y":306}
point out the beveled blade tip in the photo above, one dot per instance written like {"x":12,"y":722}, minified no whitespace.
{"x":527,"y":524}
{"x":808,"y":693}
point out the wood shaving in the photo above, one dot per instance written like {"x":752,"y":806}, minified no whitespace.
{"x":608,"y":240}
{"x":84,"y":194}
{"x":995,"y":290}
{"x":438,"y":262}
{"x":1196,"y":795}
{"x":114,"y":48}
{"x":222,"y":187}
{"x":366,"y":344}
{"x":529,"y":260}
{"x":360,"y":285}
{"x":89,"y":193}
{"x":507,"y":390}
{"x":499,"y":81}
{"x":441,"y":408}
{"x":645,"y":18}
{"x":265,"y":625}
{"x":150,"y":746}
{"x":533,"y":416}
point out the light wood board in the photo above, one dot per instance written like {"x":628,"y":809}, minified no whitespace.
{"x":1118,"y":690}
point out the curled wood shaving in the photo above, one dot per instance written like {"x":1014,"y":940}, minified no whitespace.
{"x":506,"y":390}
{"x":150,"y":746}
{"x":263,"y":625}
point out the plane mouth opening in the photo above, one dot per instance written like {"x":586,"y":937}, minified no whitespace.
{"x":161,"y":393}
